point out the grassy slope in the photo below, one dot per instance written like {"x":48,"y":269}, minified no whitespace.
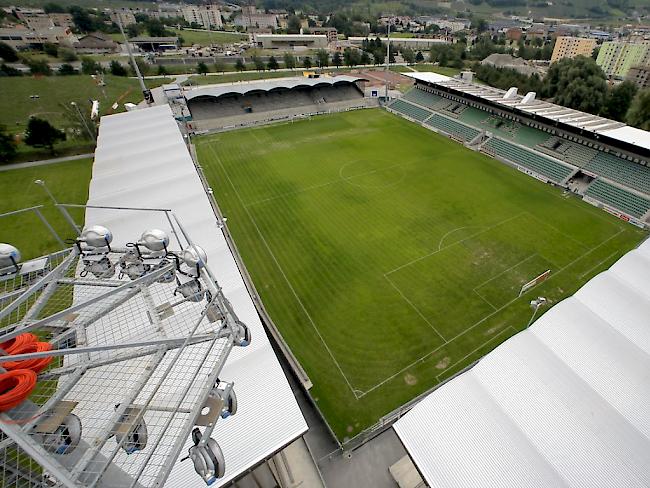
{"x":56,"y":90}
{"x":68,"y":182}
{"x":254,"y":75}
{"x":341,"y":200}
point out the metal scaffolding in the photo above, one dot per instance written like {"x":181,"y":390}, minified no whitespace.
{"x":136,"y":337}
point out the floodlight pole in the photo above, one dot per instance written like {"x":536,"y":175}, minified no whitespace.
{"x":145,"y":91}
{"x":83,"y":121}
{"x":536,"y":304}
{"x":387,"y":61}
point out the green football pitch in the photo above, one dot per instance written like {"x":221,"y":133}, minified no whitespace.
{"x":390,"y":257}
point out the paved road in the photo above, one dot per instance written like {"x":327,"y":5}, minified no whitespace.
{"x":43,"y":162}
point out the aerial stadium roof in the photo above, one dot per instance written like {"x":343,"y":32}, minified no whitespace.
{"x":534,"y":107}
{"x":564,"y":403}
{"x":242,"y":88}
{"x":142,"y":161}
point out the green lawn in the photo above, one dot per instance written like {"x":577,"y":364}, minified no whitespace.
{"x":441,"y":70}
{"x":68,"y":181}
{"x":391,"y":257}
{"x":54,"y":96}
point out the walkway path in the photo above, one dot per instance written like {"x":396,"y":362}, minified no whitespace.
{"x":43,"y":162}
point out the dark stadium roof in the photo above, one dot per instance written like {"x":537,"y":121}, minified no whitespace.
{"x":242,"y":88}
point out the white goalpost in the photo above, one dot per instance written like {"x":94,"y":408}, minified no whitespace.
{"x":535,"y":281}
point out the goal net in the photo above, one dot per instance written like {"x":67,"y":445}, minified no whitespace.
{"x":535,"y":281}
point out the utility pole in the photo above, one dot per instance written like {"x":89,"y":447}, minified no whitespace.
{"x":387,"y":62}
{"x":83,"y":121}
{"x":145,"y":91}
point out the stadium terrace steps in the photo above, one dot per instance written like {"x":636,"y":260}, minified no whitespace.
{"x":453,"y":128}
{"x":553,"y":170}
{"x":410,"y":110}
{"x":618,"y":198}
{"x":426,"y":99}
{"x":622,"y":171}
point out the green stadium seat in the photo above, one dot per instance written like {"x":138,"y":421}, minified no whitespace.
{"x":452,"y":127}
{"x":616,"y":197}
{"x":553,"y":170}
{"x":410,"y":110}
{"x":621,"y":170}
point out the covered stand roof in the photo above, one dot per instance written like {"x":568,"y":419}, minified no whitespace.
{"x":142,"y":161}
{"x":553,"y":113}
{"x":564,"y":403}
{"x":240,"y":88}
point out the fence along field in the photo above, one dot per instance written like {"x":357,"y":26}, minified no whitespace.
{"x":391,"y":257}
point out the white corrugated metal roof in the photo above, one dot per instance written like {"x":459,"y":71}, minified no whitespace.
{"x":579,"y":120}
{"x":142,"y":161}
{"x":564,"y":403}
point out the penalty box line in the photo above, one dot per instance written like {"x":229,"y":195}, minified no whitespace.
{"x":286,"y":279}
{"x":430,"y":353}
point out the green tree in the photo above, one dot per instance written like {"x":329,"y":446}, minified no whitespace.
{"x":8,"y":53}
{"x":7,"y":146}
{"x":306,"y":62}
{"x":202,"y":68}
{"x":133,"y":30}
{"x":289,"y":60}
{"x":53,"y":8}
{"x":577,"y":83}
{"x":350,"y":57}
{"x":365,"y":58}
{"x":239,"y":65}
{"x":480,"y":25}
{"x":156,"y":28}
{"x":67,"y":69}
{"x":39,"y":67}
{"x":619,"y":100}
{"x":639,"y":113}
{"x":82,"y":19}
{"x":40,"y":133}
{"x":336,"y":59}
{"x":9,"y":71}
{"x":273,"y":63}
{"x":50,"y":49}
{"x":408,"y":55}
{"x":419,"y":57}
{"x":67,"y":55}
{"x":293,"y":24}
{"x":323,"y":58}
{"x":219,"y":65}
{"x":143,"y":66}
{"x":259,"y":64}
{"x":90,"y":67}
{"x":117,"y":69}
{"x":162,"y":71}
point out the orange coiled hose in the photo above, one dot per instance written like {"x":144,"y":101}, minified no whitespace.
{"x":15,"y":387}
{"x":11,"y":345}
{"x":36,"y":365}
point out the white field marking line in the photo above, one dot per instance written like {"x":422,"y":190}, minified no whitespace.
{"x":452,"y":231}
{"x":484,"y":299}
{"x":599,"y":263}
{"x":582,"y":244}
{"x":331,"y":182}
{"x":268,"y":248}
{"x":504,"y":271}
{"x":486,"y":229}
{"x":510,"y":327}
{"x":417,"y":310}
{"x":486,"y":317}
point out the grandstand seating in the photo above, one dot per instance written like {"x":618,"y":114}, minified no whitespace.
{"x":426,"y":99}
{"x":410,"y":110}
{"x":572,"y":153}
{"x":620,"y":170}
{"x":551,"y":169}
{"x":452,"y":127}
{"x":618,"y":198}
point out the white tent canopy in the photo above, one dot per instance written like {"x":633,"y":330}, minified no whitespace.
{"x":564,"y":403}
{"x":142,"y":161}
